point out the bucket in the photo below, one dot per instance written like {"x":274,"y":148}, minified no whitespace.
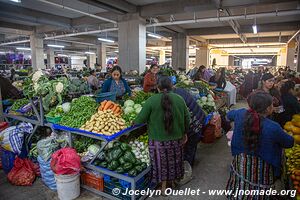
{"x":68,"y":186}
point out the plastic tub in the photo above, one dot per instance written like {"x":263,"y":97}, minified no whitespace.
{"x":92,"y":181}
{"x":68,"y":186}
{"x":109,"y":96}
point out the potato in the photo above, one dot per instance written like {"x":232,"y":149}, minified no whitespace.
{"x":106,"y":128}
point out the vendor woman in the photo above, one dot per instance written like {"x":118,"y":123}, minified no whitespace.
{"x":116,"y":83}
{"x":150,"y":79}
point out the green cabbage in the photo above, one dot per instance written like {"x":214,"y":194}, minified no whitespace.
{"x":128,"y":110}
{"x":137,"y":106}
{"x":128,"y":103}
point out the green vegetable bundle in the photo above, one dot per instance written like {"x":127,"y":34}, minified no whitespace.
{"x":81,"y":111}
{"x":81,"y":144}
{"x":19,"y":103}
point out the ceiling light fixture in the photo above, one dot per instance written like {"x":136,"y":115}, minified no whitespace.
{"x":254,"y":27}
{"x":106,"y":40}
{"x":16,"y":1}
{"x":154,"y":36}
{"x":90,"y":53}
{"x":23,"y":48}
{"x":55,"y":46}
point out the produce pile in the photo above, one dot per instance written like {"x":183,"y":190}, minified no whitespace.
{"x":109,"y":105}
{"x":81,"y":111}
{"x":202,"y":87}
{"x":51,"y":91}
{"x":139,"y":97}
{"x":78,"y":86}
{"x":130,"y":111}
{"x":184,"y":82}
{"x":104,"y":122}
{"x":140,"y":148}
{"x":19,"y":103}
{"x":293,"y":154}
{"x":207,"y":104}
{"x":119,"y":158}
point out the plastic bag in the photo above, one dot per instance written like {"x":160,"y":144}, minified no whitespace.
{"x":12,"y":138}
{"x":47,"y":147}
{"x":23,"y":173}
{"x":216,"y":121}
{"x":65,"y":162}
{"x":46,"y":173}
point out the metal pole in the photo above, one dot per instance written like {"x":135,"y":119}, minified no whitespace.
{"x":1,"y":108}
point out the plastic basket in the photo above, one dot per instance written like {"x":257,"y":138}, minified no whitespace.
{"x":53,"y":120}
{"x":109,"y":96}
{"x":92,"y":181}
{"x":7,"y":160}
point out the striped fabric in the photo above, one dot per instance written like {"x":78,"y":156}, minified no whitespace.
{"x":166,"y":160}
{"x":250,"y":173}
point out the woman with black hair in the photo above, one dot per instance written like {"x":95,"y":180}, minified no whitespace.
{"x":116,"y":83}
{"x":150,"y":79}
{"x":290,"y":103}
{"x":257,"y":145}
{"x":219,"y":78}
{"x":168,"y":119}
{"x":93,"y":81}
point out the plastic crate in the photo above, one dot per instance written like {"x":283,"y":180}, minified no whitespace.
{"x":126,"y":184}
{"x":7,"y":160}
{"x":109,"y":96}
{"x":92,"y":181}
{"x":53,"y":120}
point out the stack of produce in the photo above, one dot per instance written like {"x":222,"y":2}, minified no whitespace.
{"x":130,"y":111}
{"x":184,"y":82}
{"x":293,"y":154}
{"x":202,"y":87}
{"x":293,"y":128}
{"x":51,"y":91}
{"x":81,"y":110}
{"x":139,"y":97}
{"x":109,"y":105}
{"x":78,"y":86}
{"x":119,"y":158}
{"x":207,"y":104}
{"x":104,"y":122}
{"x":19,"y":103}
{"x":140,"y":148}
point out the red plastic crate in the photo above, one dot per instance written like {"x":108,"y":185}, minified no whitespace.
{"x":92,"y":181}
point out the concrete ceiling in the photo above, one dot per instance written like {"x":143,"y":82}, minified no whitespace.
{"x":18,"y":20}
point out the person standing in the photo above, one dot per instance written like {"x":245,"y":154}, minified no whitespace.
{"x":256,"y":146}
{"x":202,"y":74}
{"x":219,"y":78}
{"x":168,"y":119}
{"x":289,"y":100}
{"x":116,"y":83}
{"x":93,"y":81}
{"x":150,"y":79}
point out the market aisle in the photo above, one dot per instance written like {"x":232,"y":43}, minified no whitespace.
{"x":211,"y":171}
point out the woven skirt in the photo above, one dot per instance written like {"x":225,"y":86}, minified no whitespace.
{"x":166,"y":160}
{"x":250,"y":173}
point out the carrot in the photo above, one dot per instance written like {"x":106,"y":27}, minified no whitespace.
{"x":107,"y":105}
{"x":111,"y":106}
{"x":117,"y":110}
{"x":114,"y":107}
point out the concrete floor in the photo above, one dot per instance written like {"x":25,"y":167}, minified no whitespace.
{"x":211,"y":171}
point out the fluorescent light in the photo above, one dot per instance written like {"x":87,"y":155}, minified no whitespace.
{"x":55,"y":46}
{"x":2,"y":52}
{"x":152,"y":57}
{"x":23,"y":48}
{"x":258,"y":46}
{"x":254,"y":27}
{"x":105,"y":40}
{"x":88,"y":52}
{"x":116,"y":51}
{"x":62,"y":55}
{"x":16,"y":1}
{"x":154,"y":35}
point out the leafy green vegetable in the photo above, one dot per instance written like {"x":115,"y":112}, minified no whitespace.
{"x":132,"y":172}
{"x":127,"y":166}
{"x":81,"y":111}
{"x":113,"y":165}
{"x":19,"y":103}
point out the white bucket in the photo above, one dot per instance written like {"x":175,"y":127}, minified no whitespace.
{"x":68,"y":186}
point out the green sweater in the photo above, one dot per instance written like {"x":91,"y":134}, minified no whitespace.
{"x":152,"y":114}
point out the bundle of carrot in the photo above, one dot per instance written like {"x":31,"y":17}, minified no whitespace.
{"x":109,"y":105}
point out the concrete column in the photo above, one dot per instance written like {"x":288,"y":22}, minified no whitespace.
{"x":202,"y":54}
{"x":91,"y":61}
{"x":50,"y":58}
{"x":37,"y":52}
{"x":230,"y":61}
{"x":162,"y":57}
{"x":132,"y":42}
{"x":101,"y":55}
{"x":180,"y":51}
{"x":291,"y":55}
